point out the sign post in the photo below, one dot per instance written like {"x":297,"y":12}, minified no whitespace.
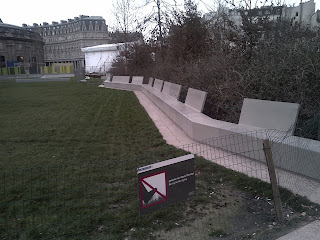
{"x":164,"y":183}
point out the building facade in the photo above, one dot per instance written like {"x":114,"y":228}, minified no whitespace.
{"x":304,"y":14}
{"x":300,"y":14}
{"x":20,"y":47}
{"x":64,"y":40}
{"x":315,"y":21}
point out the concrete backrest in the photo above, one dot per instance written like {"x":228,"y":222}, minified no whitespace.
{"x":150,"y":83}
{"x":281,"y":116}
{"x":172,"y":89}
{"x":108,"y":77}
{"x":158,"y":84}
{"x":196,"y":99}
{"x":121,"y":79}
{"x":166,"y":87}
{"x":137,"y":80}
{"x":175,"y":90}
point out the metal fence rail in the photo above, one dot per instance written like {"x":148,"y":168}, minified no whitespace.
{"x":245,"y":153}
{"x":240,"y":152}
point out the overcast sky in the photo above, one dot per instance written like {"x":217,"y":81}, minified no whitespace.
{"x":35,"y":11}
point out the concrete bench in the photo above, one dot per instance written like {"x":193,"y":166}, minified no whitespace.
{"x":122,"y":83}
{"x":138,"y":80}
{"x":120,"y":79}
{"x":196,"y":99}
{"x":150,"y":83}
{"x":107,"y":77}
{"x":265,"y":114}
{"x":244,"y":138}
{"x":172,"y":89}
{"x":188,"y":118}
{"x":158,"y":84}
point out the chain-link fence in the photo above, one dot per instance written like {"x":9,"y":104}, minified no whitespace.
{"x":234,"y":198}
{"x":295,"y":167}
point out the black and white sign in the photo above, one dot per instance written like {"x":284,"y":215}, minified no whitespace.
{"x":165,"y":183}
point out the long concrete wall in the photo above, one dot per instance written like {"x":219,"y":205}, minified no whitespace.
{"x":295,"y":154}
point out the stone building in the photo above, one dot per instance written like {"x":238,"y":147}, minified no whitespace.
{"x":271,"y":12}
{"x":301,"y":14}
{"x":315,"y":21}
{"x":20,"y":47}
{"x":64,"y":40}
{"x":304,"y":14}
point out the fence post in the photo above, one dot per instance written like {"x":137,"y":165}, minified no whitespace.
{"x":273,"y":179}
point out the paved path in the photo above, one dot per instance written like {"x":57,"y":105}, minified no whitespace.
{"x":297,"y":184}
{"x":308,"y":232}
{"x":169,"y":130}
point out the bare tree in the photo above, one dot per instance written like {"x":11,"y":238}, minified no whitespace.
{"x":124,"y":12}
{"x":160,"y":17}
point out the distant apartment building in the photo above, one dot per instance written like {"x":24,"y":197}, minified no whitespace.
{"x":301,"y":14}
{"x":273,"y":13}
{"x":64,"y":40}
{"x":304,"y":14}
{"x":20,"y":47}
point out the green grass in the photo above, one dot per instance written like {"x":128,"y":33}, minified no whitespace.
{"x":68,"y":159}
{"x":70,"y":123}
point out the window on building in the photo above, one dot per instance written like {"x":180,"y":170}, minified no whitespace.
{"x":297,"y":14}
{"x":34,"y":59}
{"x":20,"y":58}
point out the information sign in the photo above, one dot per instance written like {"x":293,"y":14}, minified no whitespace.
{"x":164,"y":183}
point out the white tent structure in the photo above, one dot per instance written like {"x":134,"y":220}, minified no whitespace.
{"x":98,"y":59}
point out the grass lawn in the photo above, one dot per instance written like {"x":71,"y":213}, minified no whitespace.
{"x":68,"y":159}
